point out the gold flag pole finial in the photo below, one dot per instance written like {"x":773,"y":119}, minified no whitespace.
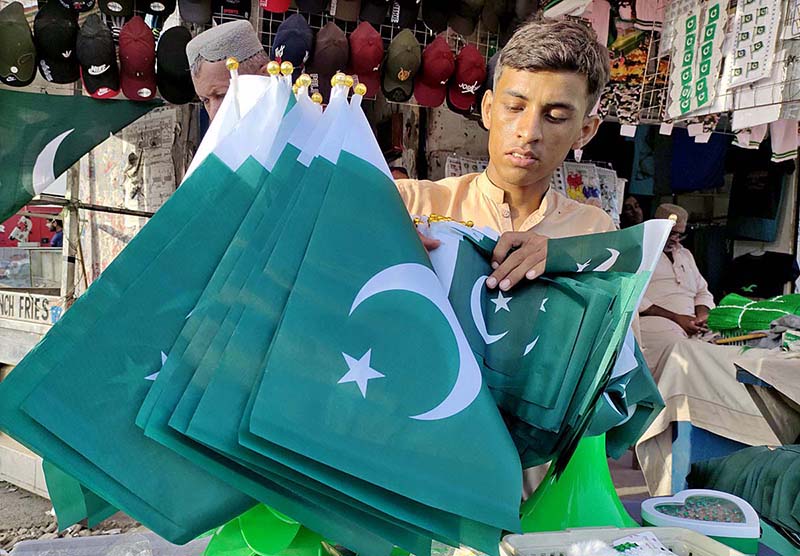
{"x":273,"y":68}
{"x":233,"y":67}
{"x":287,"y":68}
{"x":316,"y":97}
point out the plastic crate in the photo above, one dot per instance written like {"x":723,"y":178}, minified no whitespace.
{"x":682,"y":542}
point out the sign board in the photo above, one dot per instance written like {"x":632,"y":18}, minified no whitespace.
{"x":30,"y":307}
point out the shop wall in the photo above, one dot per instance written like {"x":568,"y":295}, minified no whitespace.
{"x":449,"y":134}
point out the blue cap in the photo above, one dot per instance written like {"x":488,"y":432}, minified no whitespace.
{"x":294,"y":41}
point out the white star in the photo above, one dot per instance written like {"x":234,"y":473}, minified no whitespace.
{"x":359,"y":371}
{"x":542,"y":308}
{"x":530,"y":346}
{"x":582,"y":267}
{"x":501,"y":302}
{"x":155,"y":374}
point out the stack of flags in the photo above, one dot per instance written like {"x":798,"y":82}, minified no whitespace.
{"x":300,"y":361}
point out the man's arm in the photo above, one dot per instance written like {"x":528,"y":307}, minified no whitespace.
{"x":687,"y":322}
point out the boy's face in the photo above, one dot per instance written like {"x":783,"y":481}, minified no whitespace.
{"x":534,"y":119}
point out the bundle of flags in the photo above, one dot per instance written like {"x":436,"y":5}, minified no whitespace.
{"x":301,"y":363}
{"x":738,"y":314}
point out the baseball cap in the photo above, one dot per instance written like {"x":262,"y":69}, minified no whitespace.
{"x":366,"y":55}
{"x":494,"y":14}
{"x":17,"y":51}
{"x":435,"y":13}
{"x":162,"y":8}
{"x":465,"y":16}
{"x":374,"y":11}
{"x":331,"y":53}
{"x":275,"y":6}
{"x":405,"y":13}
{"x":78,"y":5}
{"x":225,"y":9}
{"x":172,"y":66}
{"x":97,"y":58}
{"x":312,"y":6}
{"x":116,"y":8}
{"x":55,"y":33}
{"x":137,"y":60}
{"x":294,"y":41}
{"x":195,"y":11}
{"x":468,"y":78}
{"x":438,"y":65}
{"x":402,"y":63}
{"x":346,"y":10}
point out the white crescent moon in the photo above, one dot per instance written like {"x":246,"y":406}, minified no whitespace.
{"x":419,"y":279}
{"x":43,"y":168}
{"x":477,"y":312}
{"x":609,"y":262}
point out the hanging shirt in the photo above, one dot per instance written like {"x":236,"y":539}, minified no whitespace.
{"x":677,"y":285}
{"x":474,"y":197}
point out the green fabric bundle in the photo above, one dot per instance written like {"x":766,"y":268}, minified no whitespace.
{"x":740,"y":314}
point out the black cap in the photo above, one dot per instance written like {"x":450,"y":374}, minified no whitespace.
{"x":294,"y":41}
{"x":465,"y":16}
{"x":224,"y":10}
{"x":161,"y":8}
{"x":17,"y":51}
{"x":374,"y":11}
{"x":116,"y":8}
{"x":331,"y":54}
{"x":496,"y":13}
{"x":55,"y":35}
{"x":405,"y":13}
{"x":98,"y":58}
{"x":172,"y":66}
{"x":312,"y":6}
{"x":435,"y":14}
{"x":195,"y":11}
{"x":78,"y":5}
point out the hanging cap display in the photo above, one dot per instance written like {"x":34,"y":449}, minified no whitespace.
{"x":366,"y":55}
{"x":17,"y":50}
{"x":438,"y":65}
{"x":55,"y":35}
{"x":331,"y":54}
{"x":465,"y":16}
{"x":137,"y":60}
{"x":172,"y":66}
{"x":402,"y":63}
{"x":97,"y":57}
{"x":468,"y":79}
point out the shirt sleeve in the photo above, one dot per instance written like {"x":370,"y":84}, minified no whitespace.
{"x":703,"y":296}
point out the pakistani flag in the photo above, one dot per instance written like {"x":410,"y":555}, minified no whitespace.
{"x":347,"y":380}
{"x":43,"y":135}
{"x":81,"y":416}
{"x":72,"y":501}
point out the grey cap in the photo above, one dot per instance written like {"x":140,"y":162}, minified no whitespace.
{"x":235,"y":38}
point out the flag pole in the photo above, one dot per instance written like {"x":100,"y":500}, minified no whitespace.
{"x":233,"y":66}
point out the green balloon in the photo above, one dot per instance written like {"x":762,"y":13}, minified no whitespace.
{"x":267,"y":532}
{"x":228,"y":541}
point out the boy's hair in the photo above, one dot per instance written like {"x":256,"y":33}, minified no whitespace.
{"x":557,"y":45}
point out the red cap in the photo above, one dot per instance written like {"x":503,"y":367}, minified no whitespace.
{"x":366,"y":55}
{"x":137,"y":60}
{"x":438,"y":65}
{"x":275,"y":6}
{"x":468,"y":79}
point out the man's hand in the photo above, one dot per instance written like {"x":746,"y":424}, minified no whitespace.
{"x":517,"y":255}
{"x":689,"y":324}
{"x":428,"y":242}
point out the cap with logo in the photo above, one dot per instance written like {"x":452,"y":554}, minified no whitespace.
{"x":468,"y":79}
{"x":366,"y":55}
{"x":312,"y":6}
{"x":402,"y":63}
{"x":55,"y":31}
{"x":438,"y":65}
{"x":294,"y":41}
{"x":275,"y":6}
{"x":374,"y":11}
{"x":97,"y":57}
{"x":405,"y":13}
{"x":116,"y":8}
{"x":331,"y":54}
{"x":78,"y":5}
{"x":346,"y":10}
{"x":163,"y":8}
{"x":17,"y":51}
{"x":172,"y":66}
{"x":137,"y":60}
{"x":226,"y":9}
{"x":465,"y":16}
{"x":435,"y":14}
{"x":195,"y":11}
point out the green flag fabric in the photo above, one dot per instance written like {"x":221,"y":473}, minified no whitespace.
{"x":739,"y":315}
{"x":43,"y":135}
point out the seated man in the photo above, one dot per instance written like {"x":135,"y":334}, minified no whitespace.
{"x":548,"y":78}
{"x":677,"y":301}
